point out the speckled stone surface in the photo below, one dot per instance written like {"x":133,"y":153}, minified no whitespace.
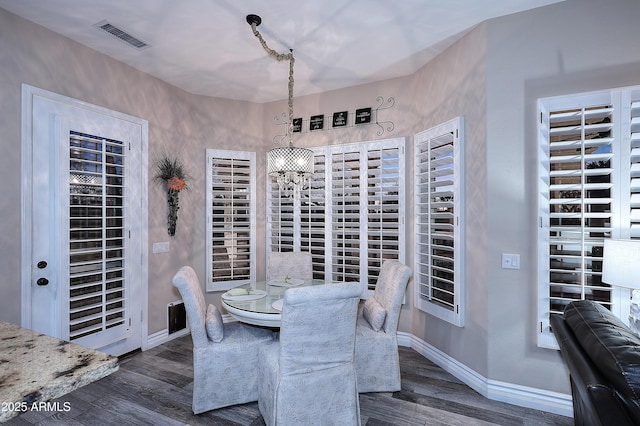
{"x":35,"y":367}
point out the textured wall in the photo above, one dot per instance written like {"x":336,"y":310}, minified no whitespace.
{"x":179,"y":123}
{"x":451,"y":85}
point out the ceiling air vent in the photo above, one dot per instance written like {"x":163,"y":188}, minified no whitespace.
{"x":121,"y":35}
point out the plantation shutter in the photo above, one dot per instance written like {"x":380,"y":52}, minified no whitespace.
{"x":438,"y":202}
{"x":634,"y":159}
{"x":97,"y":244}
{"x":296,"y":221}
{"x":312,"y":218}
{"x":281,"y":218}
{"x":384,"y":203}
{"x":345,"y":216}
{"x":351,"y":213}
{"x":231,"y":219}
{"x":579,"y":201}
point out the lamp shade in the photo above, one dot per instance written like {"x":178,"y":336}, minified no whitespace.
{"x":292,"y":167}
{"x":621,"y":264}
{"x":290,"y":160}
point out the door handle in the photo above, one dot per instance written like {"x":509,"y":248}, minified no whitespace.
{"x":42,"y":281}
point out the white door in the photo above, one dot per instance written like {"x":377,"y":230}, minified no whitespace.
{"x":85,"y":223}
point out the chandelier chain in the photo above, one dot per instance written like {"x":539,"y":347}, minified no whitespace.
{"x":280,"y":57}
{"x":292,"y":167}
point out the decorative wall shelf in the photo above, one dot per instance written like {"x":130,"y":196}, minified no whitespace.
{"x":339,"y":120}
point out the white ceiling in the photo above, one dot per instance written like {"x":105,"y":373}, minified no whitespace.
{"x":206,"y":46}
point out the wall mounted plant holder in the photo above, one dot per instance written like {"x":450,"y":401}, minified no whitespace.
{"x":172,"y":175}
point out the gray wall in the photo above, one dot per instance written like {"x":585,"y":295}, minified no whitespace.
{"x":492,"y":76}
{"x":574,"y":46}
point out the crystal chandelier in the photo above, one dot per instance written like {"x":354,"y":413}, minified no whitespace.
{"x":292,"y":167}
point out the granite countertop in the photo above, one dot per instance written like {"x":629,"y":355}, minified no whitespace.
{"x":36,"y":368}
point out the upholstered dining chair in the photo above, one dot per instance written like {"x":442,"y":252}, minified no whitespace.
{"x":225,"y":356}
{"x":307,"y":377}
{"x":297,"y":264}
{"x":377,"y":361}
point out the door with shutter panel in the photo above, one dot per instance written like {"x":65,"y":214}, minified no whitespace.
{"x":85,"y":231}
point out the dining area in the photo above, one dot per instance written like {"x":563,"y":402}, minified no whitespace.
{"x":304,"y":349}
{"x":318,"y":363}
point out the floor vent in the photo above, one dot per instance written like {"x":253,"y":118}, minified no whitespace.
{"x":177,"y":317}
{"x":121,"y":35}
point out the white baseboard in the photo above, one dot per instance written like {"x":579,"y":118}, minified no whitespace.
{"x":523,"y":396}
{"x":163,"y":336}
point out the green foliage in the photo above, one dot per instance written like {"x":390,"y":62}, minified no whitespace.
{"x":169,"y":167}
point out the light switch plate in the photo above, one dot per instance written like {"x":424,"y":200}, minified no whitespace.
{"x":161,"y":247}
{"x":510,"y":261}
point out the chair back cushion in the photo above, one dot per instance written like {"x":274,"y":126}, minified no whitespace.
{"x":390,"y":288}
{"x":214,"y":324}
{"x":318,"y":327}
{"x":294,"y":264}
{"x":374,"y":313}
{"x":187,"y":283}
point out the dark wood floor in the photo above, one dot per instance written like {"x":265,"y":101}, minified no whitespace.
{"x":154,"y":388}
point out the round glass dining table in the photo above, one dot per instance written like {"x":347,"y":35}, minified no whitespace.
{"x":260,"y":303}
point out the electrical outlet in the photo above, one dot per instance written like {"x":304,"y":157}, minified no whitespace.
{"x":161,"y":247}
{"x":510,"y":261}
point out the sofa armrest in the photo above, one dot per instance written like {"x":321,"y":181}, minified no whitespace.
{"x":595,"y":403}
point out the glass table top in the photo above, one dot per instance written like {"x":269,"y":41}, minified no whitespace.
{"x":257,"y":306}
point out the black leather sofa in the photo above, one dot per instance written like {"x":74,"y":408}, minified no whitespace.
{"x":603,"y":359}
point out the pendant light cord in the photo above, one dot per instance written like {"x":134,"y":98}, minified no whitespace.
{"x":280,"y":57}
